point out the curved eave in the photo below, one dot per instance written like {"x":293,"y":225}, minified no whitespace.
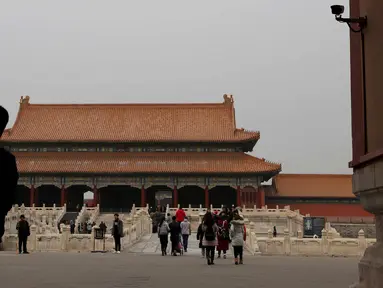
{"x":214,"y":163}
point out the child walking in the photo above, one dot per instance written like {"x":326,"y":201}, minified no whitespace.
{"x":237,"y":235}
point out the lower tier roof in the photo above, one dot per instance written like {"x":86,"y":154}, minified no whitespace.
{"x":143,"y":162}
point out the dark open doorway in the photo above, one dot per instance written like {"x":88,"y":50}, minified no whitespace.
{"x":191,"y":195}
{"x":119,"y":198}
{"x":75,"y":197}
{"x":48,"y":195}
{"x":159,"y":195}
{"x":23,"y":195}
{"x":223,"y":195}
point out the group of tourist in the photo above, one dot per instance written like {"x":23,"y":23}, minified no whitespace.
{"x":82,"y":228}
{"x":179,"y":229}
{"x":217,"y":230}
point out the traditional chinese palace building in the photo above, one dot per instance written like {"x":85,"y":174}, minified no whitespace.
{"x":186,"y":154}
{"x":328,"y":195}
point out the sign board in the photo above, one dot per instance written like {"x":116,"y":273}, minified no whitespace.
{"x":98,"y":234}
{"x":313,"y":226}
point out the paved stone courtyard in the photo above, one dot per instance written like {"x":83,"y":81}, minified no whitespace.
{"x":69,"y":270}
{"x":143,"y":266}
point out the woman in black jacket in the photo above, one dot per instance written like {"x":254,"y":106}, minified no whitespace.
{"x":200,"y":237}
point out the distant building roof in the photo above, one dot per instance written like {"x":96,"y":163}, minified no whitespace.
{"x":313,"y":185}
{"x":143,"y":162}
{"x":206,"y":122}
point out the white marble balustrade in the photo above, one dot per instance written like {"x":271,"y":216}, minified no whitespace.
{"x":134,"y":228}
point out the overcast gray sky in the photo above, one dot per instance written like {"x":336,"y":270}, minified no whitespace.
{"x":285,"y":62}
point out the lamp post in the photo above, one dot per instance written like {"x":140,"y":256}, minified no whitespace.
{"x":338,"y":10}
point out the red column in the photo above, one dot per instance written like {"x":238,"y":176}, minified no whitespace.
{"x":143,"y":196}
{"x":245,"y":197}
{"x":207,"y":197}
{"x":63,"y":198}
{"x":32,"y":196}
{"x":175,"y":197}
{"x":96,"y":195}
{"x":260,"y":197}
{"x":238,"y":195}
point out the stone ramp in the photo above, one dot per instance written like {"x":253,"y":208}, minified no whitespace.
{"x":150,"y":244}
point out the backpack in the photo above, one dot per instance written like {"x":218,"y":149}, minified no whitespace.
{"x":223,"y":233}
{"x":209,"y":234}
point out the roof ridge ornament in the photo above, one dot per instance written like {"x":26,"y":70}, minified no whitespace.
{"x":228,"y":99}
{"x":24,"y":100}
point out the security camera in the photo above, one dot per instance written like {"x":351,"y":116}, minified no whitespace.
{"x":337,"y":10}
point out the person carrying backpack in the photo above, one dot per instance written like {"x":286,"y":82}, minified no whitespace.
{"x":163,"y":232}
{"x":223,"y":236}
{"x":238,"y":237}
{"x":209,"y":240}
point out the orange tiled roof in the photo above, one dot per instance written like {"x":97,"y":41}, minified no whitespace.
{"x":144,"y":162}
{"x":213,"y":122}
{"x":313,"y":185}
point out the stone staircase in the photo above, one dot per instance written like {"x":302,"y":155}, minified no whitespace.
{"x":68,"y":216}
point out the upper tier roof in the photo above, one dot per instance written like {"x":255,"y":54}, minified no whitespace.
{"x":213,"y":122}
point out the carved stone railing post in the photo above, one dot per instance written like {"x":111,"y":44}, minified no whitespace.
{"x":129,"y":223}
{"x":93,"y":238}
{"x":136,"y":219}
{"x":33,"y":238}
{"x":133,"y":209}
{"x":64,"y":237}
{"x":44,"y":220}
{"x":324,"y":242}
{"x":7,"y":226}
{"x":287,"y":242}
{"x":362,"y":242}
{"x":300,"y":233}
{"x":270,"y":234}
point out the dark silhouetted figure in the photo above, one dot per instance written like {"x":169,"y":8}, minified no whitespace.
{"x":8,"y":175}
{"x":23,"y":232}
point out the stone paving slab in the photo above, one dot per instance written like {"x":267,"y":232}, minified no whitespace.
{"x":85,"y":270}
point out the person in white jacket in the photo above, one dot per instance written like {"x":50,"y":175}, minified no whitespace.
{"x":237,"y":232}
{"x":185,"y":231}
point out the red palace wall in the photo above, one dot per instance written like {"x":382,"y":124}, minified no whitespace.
{"x":327,"y":210}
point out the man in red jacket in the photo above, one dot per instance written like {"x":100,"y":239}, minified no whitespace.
{"x":180,"y":215}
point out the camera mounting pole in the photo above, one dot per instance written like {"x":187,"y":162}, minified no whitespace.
{"x":338,"y":10}
{"x":361,"y":21}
